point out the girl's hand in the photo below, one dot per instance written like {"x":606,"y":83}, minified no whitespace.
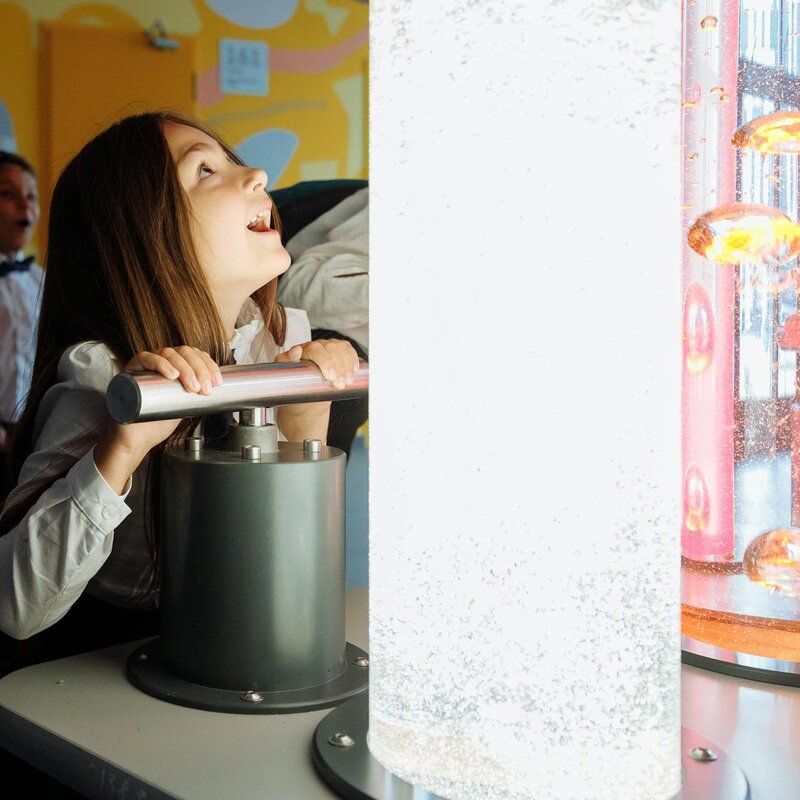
{"x":338,"y":362}
{"x":336,"y":358}
{"x":122,"y":447}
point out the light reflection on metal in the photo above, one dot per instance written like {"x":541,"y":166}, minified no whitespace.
{"x":745,"y":233}
{"x":773,"y":561}
{"x":773,"y":133}
{"x":698,"y":329}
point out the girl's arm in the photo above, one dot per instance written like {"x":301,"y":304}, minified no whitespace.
{"x":123,"y":447}
{"x":49,"y":557}
{"x":338,"y":362}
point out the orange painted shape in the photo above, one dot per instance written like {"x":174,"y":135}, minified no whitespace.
{"x":94,"y":76}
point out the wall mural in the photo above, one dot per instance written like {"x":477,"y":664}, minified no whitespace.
{"x":310,"y":125}
{"x":8,"y":141}
{"x":271,"y":150}
{"x":254,"y":15}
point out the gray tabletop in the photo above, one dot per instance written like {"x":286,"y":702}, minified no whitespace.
{"x":80,"y":720}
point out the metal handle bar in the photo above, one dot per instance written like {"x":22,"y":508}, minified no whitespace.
{"x":147,"y":396}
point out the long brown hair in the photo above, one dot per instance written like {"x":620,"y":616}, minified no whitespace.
{"x":121,"y":267}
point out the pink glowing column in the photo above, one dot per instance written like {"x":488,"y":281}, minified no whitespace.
{"x":710,"y":48}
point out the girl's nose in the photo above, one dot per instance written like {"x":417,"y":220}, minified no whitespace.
{"x":257,"y":180}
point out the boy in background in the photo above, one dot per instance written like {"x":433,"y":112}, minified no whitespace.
{"x":20,"y":286}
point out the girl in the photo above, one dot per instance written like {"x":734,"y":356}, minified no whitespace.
{"x":163,"y":255}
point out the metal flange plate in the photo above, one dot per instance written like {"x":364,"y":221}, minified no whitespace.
{"x":344,"y":762}
{"x":146,"y":672}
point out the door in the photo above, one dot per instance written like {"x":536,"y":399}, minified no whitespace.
{"x":94,"y":76}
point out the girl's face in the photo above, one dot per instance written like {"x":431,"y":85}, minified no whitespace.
{"x":231,"y":216}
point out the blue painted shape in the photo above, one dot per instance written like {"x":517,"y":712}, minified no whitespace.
{"x":8,"y":141}
{"x":271,"y":150}
{"x":258,"y":15}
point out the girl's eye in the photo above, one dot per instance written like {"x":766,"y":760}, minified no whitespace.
{"x":205,"y":171}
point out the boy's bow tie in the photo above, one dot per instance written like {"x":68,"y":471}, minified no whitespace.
{"x":23,"y":265}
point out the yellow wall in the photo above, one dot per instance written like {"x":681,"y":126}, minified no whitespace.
{"x":316,"y":101}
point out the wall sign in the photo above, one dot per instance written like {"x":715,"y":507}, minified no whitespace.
{"x":243,"y":67}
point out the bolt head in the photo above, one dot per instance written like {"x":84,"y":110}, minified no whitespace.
{"x":703,"y":754}
{"x":341,"y":739}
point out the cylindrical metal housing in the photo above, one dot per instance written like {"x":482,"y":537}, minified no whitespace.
{"x":253,"y":584}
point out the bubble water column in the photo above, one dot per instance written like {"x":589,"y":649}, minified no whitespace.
{"x":525,"y":407}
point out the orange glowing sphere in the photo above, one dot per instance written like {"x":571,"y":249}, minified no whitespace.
{"x":745,"y":233}
{"x":773,"y":561}
{"x":772,"y":133}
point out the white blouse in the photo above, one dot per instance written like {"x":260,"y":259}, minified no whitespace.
{"x":81,"y":535}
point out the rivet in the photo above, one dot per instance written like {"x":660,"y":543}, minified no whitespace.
{"x":253,"y":417}
{"x":703,"y":754}
{"x":252,"y":697}
{"x":340,"y":739}
{"x":361,"y":661}
{"x":251,"y":452}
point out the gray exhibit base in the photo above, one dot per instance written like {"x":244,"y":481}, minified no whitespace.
{"x":146,"y":671}
{"x":740,"y":665}
{"x":343,"y":760}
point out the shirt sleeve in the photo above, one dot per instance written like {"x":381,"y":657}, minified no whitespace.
{"x":329,"y":274}
{"x":49,"y":557}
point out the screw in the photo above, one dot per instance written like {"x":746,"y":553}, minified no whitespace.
{"x":361,"y":661}
{"x":703,"y":754}
{"x":251,"y":452}
{"x":251,"y":696}
{"x":340,"y":739}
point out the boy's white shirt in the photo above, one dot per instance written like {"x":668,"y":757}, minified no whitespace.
{"x":20,"y":297}
{"x":80,"y":534}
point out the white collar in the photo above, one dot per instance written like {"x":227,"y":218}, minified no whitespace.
{"x":13,"y":257}
{"x":248,"y":325}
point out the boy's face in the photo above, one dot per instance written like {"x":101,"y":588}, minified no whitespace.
{"x":19,"y":208}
